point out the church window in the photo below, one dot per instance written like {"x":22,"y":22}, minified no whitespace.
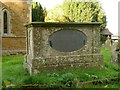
{"x":5,"y":22}
{"x":6,"y":25}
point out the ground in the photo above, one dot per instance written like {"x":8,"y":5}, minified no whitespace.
{"x":14,"y":74}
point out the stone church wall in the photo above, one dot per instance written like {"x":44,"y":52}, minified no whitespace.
{"x":19,"y":15}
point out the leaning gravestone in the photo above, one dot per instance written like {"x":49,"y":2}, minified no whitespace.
{"x":57,"y":46}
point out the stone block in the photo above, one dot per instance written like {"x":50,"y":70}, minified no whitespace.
{"x":42,"y":54}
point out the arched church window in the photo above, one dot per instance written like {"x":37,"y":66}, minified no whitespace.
{"x":6,"y":25}
{"x":5,"y":22}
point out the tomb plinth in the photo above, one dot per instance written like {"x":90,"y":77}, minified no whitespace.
{"x":58,"y":46}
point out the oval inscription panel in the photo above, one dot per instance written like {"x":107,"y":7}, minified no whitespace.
{"x":67,"y":40}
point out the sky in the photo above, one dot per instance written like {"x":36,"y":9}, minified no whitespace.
{"x":110,"y":7}
{"x":111,"y":10}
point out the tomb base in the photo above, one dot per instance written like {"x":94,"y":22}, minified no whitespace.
{"x":42,"y":64}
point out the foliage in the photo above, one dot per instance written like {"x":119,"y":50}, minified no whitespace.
{"x":55,"y":15}
{"x":38,"y":13}
{"x":67,"y":79}
{"x":76,"y":11}
{"x":103,"y":38}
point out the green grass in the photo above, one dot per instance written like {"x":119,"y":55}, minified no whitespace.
{"x":106,"y":54}
{"x":12,"y":69}
{"x":14,"y":73}
{"x":0,"y":72}
{"x":107,"y":61}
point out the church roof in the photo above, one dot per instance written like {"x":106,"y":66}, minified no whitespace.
{"x":106,"y":32}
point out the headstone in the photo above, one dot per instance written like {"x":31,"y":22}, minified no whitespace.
{"x":114,"y":55}
{"x":108,"y":44}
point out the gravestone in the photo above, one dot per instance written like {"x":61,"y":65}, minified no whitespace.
{"x":114,"y":55}
{"x":58,"y":46}
{"x":108,"y":44}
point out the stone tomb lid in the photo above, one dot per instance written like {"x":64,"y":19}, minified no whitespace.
{"x":58,"y":24}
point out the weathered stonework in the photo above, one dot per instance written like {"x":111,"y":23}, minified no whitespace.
{"x":18,"y":12}
{"x":40,"y":56}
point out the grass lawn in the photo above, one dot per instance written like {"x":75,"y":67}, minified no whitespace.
{"x":14,"y":73}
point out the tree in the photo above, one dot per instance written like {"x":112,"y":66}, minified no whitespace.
{"x":38,"y":13}
{"x":76,"y":11}
{"x":56,"y":15}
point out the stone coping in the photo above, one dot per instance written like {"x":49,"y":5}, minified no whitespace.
{"x":60,"y":24}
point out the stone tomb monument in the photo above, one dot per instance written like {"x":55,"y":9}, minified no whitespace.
{"x":57,"y":46}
